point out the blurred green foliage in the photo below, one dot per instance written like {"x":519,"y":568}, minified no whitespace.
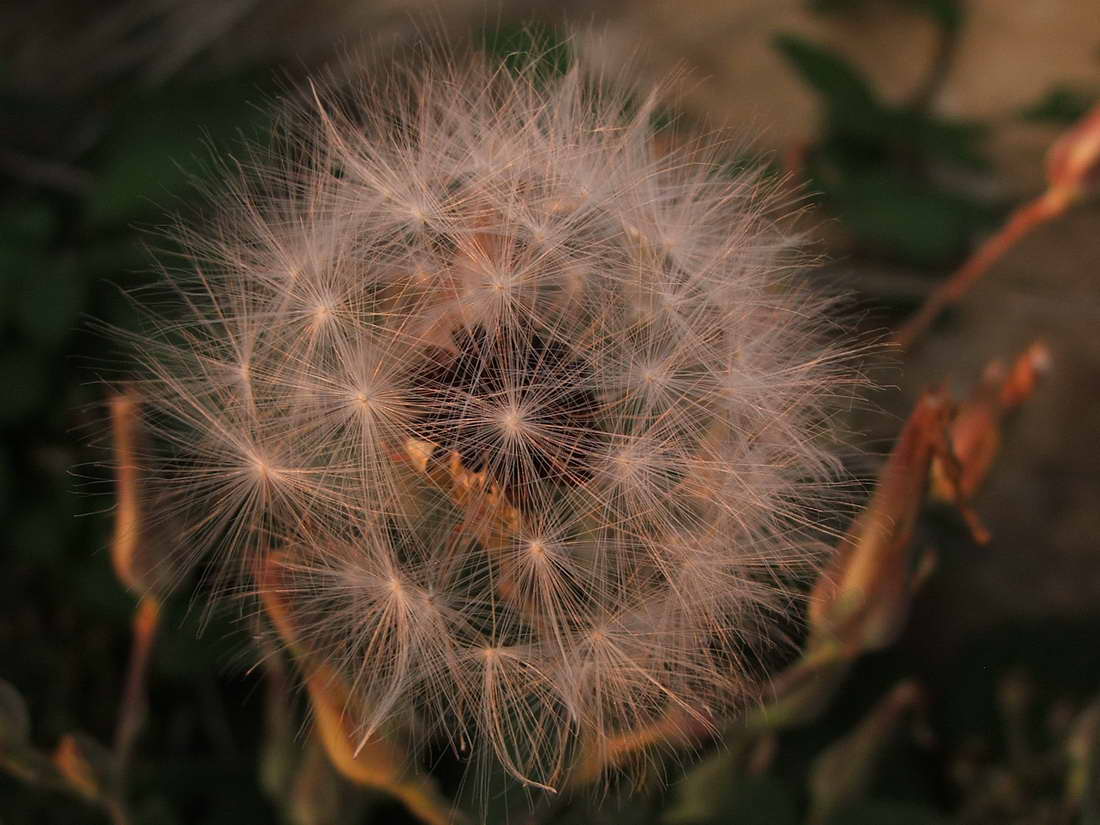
{"x":1062,"y":105}
{"x":70,"y":207}
{"x":884,"y":169}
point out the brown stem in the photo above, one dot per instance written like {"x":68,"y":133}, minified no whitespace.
{"x":1050,"y":204}
{"x":938,"y":70}
{"x":116,"y":810}
{"x":45,"y":173}
{"x":134,"y":703}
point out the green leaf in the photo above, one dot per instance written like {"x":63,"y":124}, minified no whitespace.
{"x":848,"y":96}
{"x":930,"y":137}
{"x":904,"y":219}
{"x":871,"y":128}
{"x":1061,"y":105}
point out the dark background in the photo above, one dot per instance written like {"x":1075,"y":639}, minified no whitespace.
{"x":917,"y":126}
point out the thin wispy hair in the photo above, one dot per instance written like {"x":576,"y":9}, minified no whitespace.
{"x":525,"y":395}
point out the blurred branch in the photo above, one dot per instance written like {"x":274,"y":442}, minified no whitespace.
{"x":1072,"y":165}
{"x":133,"y":562}
{"x":940,"y":67}
{"x":1083,"y":777}
{"x":134,"y":704}
{"x":44,"y":173}
{"x":93,"y":773}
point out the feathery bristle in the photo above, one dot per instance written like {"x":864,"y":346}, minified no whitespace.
{"x":534,"y":410}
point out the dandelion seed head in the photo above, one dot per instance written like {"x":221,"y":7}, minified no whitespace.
{"x":533,"y":413}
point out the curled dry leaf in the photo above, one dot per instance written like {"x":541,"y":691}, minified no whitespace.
{"x":317,"y":794}
{"x":1083,"y":752}
{"x":134,"y":554}
{"x":976,"y":433}
{"x":132,"y":547}
{"x":678,"y":728}
{"x":87,"y":766}
{"x":841,"y":773}
{"x":15,"y":723}
{"x":18,"y":757}
{"x":860,"y":602}
{"x":1073,"y":162}
{"x":134,"y":704}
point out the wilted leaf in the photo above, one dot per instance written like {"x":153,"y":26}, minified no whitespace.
{"x":848,"y":96}
{"x":975,"y":429}
{"x":135,"y":549}
{"x":29,"y":765}
{"x":134,"y":704}
{"x":87,"y":766}
{"x":1083,"y":777}
{"x":803,"y":691}
{"x":1073,"y":168}
{"x":716,"y":797}
{"x":842,"y":773}
{"x":15,"y":721}
{"x":676,"y":728}
{"x":862,"y":599}
{"x":318,"y":795}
